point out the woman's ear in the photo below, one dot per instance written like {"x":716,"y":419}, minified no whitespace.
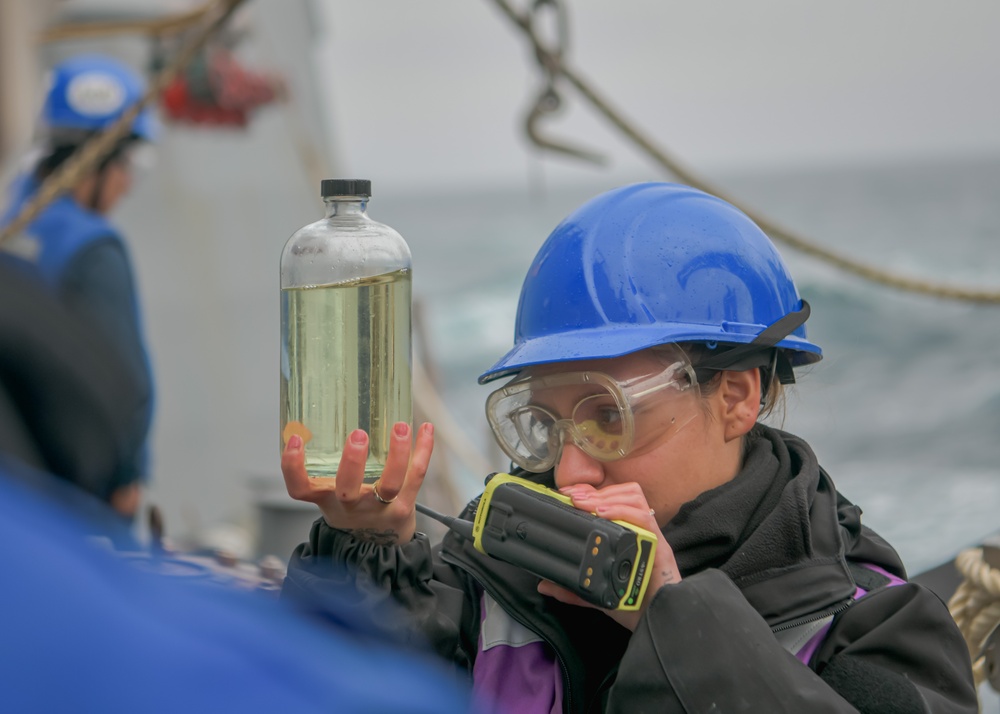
{"x":740,"y":395}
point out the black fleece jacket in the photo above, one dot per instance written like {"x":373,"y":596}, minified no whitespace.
{"x":770,"y":547}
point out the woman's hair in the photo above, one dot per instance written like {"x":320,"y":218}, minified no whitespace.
{"x":772,"y":390}
{"x":60,"y":153}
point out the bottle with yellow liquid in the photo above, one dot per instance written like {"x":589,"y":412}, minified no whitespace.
{"x":345,"y":331}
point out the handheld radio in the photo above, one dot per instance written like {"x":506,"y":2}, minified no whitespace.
{"x":535,"y":528}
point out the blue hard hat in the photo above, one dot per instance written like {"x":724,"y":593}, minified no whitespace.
{"x":88,"y":93}
{"x":650,"y":264}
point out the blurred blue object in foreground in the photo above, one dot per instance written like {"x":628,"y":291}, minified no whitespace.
{"x":84,"y":631}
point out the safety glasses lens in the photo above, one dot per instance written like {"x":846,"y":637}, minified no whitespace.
{"x":600,"y":426}
{"x":534,"y":428}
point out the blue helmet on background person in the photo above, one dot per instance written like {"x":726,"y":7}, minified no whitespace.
{"x":655,"y":263}
{"x":88,"y":93}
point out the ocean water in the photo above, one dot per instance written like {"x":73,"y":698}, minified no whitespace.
{"x":904,"y":409}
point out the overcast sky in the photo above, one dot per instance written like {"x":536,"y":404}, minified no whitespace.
{"x":438,"y":89}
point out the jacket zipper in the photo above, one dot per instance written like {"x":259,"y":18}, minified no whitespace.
{"x":836,"y":610}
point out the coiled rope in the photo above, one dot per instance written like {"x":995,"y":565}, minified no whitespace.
{"x":95,"y":149}
{"x":554,"y":65}
{"x":975,"y":606}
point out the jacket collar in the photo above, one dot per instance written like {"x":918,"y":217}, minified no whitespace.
{"x":774,"y":530}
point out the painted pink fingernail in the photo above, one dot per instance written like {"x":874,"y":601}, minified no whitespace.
{"x":295,"y":442}
{"x":402,"y":429}
{"x":429,"y":429}
{"x":358,"y":436}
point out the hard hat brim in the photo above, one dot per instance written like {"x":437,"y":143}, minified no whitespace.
{"x":618,"y":340}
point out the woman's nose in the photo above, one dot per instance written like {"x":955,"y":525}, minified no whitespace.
{"x":576,"y":466}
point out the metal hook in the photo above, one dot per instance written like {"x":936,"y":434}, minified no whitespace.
{"x":548,"y":101}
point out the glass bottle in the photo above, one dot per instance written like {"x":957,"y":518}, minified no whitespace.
{"x":345,"y":331}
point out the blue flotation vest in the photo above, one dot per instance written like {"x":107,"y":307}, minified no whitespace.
{"x":46,"y":249}
{"x":55,"y":236}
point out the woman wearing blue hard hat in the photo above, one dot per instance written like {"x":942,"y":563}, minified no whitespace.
{"x":656,"y":327}
{"x":72,"y":246}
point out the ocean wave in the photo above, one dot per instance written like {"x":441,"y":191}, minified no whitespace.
{"x":941,"y":513}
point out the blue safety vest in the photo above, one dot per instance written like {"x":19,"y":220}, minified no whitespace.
{"x":46,"y":249}
{"x":57,"y":235}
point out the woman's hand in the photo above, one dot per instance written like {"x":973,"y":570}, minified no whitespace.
{"x":621,"y":502}
{"x":346,"y":502}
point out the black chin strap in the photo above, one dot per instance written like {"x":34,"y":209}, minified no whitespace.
{"x":758,"y":352}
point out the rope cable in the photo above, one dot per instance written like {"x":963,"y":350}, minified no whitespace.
{"x":98,"y":147}
{"x":975,"y":607}
{"x":158,"y":26}
{"x":556,"y":65}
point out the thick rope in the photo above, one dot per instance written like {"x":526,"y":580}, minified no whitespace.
{"x":95,"y":149}
{"x":557,"y":65}
{"x":157,"y":26}
{"x":975,"y":605}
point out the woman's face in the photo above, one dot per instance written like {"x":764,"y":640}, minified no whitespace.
{"x":676,"y":462}
{"x":101,"y":191}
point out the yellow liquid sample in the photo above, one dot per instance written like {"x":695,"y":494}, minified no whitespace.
{"x":345,"y":365}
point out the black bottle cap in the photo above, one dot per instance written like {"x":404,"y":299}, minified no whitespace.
{"x":345,"y":187}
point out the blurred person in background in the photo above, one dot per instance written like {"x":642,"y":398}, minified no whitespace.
{"x":73,"y":247}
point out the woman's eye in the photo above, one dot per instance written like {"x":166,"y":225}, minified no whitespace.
{"x":609,"y":419}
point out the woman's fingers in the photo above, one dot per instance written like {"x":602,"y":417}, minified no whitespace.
{"x":419,"y":461}
{"x":351,"y":469}
{"x":390,"y":483}
{"x":405,"y":467}
{"x":622,"y":502}
{"x":293,"y":468}
{"x":626,"y":503}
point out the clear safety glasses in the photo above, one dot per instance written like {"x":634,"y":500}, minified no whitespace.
{"x":607,"y":418}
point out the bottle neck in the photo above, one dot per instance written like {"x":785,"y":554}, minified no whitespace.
{"x":346,"y":206}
